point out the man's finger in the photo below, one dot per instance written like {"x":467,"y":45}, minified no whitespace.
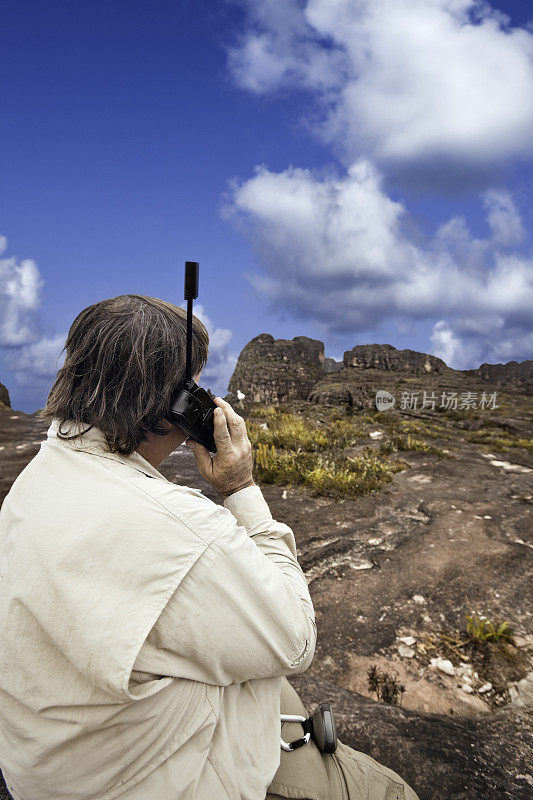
{"x":221,"y":432}
{"x":236,"y":424}
{"x":225,"y":405}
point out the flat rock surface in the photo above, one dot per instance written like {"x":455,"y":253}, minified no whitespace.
{"x":404,"y":562}
{"x":440,"y":757}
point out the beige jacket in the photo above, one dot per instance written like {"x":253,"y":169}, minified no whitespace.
{"x":143,"y":632}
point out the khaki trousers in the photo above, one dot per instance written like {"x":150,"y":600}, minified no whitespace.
{"x":309,"y":774}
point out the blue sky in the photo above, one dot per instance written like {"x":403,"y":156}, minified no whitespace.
{"x":345,"y":170}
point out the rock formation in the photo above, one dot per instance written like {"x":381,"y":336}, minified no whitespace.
{"x":330,"y":365}
{"x":388,"y":358}
{"x":343,"y":390}
{"x":4,"y":396}
{"x":512,"y":371}
{"x":276,"y":370}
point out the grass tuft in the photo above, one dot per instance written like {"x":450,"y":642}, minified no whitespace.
{"x":502,"y":441}
{"x":270,"y":412}
{"x":331,"y":476}
{"x":398,"y":443}
{"x":291,"y":432}
{"x":485,"y":630}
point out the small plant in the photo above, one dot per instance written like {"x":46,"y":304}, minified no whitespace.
{"x":264,"y":455}
{"x":374,"y":679}
{"x":485,"y":630}
{"x":343,"y":433}
{"x":457,"y":415}
{"x":419,"y":428}
{"x":398,"y":443}
{"x":385,"y":418}
{"x":500,"y":440}
{"x":386,"y":686}
{"x":270,"y":412}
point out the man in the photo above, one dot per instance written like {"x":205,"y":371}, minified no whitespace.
{"x":145,"y":629}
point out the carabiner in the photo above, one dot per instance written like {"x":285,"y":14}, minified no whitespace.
{"x":288,"y":746}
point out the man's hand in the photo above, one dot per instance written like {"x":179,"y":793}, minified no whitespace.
{"x":230,"y":469}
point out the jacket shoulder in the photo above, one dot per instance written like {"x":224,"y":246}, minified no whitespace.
{"x":205,"y":518}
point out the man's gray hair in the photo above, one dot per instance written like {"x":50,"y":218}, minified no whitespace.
{"x":125,"y":357}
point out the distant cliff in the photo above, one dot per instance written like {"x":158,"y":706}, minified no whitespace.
{"x":274,"y":371}
{"x":512,"y":371}
{"x":386,"y":357}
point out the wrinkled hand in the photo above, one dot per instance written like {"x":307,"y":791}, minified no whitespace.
{"x":230,"y":469}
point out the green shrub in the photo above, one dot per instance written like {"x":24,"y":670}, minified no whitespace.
{"x":386,"y":418}
{"x":500,"y":440}
{"x":292,"y":432}
{"x":484,"y":630}
{"x":422,"y":428}
{"x":289,"y":432}
{"x":397,"y":443}
{"x":344,"y":433}
{"x":270,"y":412}
{"x":340,"y":477}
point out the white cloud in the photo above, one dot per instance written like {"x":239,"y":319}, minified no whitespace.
{"x":448,"y":345}
{"x":39,"y":360}
{"x":440,"y":83}
{"x":220,"y":362}
{"x":437,"y":91}
{"x":32,"y":358}
{"x":445,"y":344}
{"x":506,"y":348}
{"x":20,"y":287}
{"x":280,"y":47}
{"x":503,"y":218}
{"x":334,"y":250}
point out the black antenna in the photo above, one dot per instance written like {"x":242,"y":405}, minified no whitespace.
{"x":191,"y":293}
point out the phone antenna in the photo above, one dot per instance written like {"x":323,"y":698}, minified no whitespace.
{"x":192,"y":269}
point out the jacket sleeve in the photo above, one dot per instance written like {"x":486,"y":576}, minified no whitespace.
{"x":243,"y":610}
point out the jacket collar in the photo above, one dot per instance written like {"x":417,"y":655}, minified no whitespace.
{"x":92,"y":440}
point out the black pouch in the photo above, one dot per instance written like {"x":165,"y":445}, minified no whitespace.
{"x":324,"y":730}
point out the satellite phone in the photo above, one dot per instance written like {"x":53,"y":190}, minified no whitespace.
{"x":191,"y":406}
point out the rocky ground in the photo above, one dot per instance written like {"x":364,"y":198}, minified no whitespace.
{"x":392,"y":576}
